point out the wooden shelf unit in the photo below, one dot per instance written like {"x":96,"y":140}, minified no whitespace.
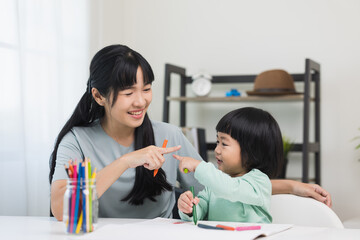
{"x":310,"y":75}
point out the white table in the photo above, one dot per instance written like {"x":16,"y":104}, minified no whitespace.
{"x":15,"y":227}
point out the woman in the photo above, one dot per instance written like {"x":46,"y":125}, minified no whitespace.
{"x":110,"y":126}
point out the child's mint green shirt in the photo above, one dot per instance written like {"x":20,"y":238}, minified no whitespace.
{"x":238,"y":199}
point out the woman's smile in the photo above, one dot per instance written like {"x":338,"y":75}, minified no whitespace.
{"x":137,"y":114}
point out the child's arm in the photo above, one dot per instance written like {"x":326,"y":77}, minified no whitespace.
{"x":187,"y":163}
{"x":253,"y":188}
{"x":248,"y":189}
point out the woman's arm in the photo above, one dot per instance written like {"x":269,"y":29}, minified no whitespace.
{"x":104,"y":179}
{"x":301,"y":189}
{"x":149,"y":157}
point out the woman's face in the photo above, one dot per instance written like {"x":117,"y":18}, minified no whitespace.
{"x":228,"y":155}
{"x":131,"y":104}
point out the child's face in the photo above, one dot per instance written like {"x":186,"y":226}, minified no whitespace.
{"x":227,"y":153}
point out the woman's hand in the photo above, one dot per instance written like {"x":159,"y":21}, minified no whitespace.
{"x":186,"y":202}
{"x":281,"y":186}
{"x":313,"y":191}
{"x":150,"y":157}
{"x":187,"y":163}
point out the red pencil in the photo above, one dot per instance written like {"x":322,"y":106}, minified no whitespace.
{"x":164,"y":146}
{"x":73,"y":196}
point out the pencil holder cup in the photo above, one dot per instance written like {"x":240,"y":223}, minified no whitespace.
{"x":80,"y":212}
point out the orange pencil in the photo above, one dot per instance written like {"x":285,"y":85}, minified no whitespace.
{"x":71,"y":168}
{"x":164,"y":146}
{"x":225,"y":227}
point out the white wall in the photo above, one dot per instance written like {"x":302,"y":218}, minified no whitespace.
{"x":247,"y":37}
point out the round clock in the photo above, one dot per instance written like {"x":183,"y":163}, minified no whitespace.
{"x":201,"y":84}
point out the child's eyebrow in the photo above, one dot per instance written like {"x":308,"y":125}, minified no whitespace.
{"x":224,"y":138}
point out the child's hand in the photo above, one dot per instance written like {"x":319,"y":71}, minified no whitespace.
{"x":187,"y":162}
{"x":186,"y":202}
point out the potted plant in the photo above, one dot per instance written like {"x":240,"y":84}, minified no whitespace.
{"x":287,"y":146}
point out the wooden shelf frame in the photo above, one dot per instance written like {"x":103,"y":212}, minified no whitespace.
{"x":310,"y":75}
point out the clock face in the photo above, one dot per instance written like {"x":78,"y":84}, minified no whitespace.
{"x":201,"y":86}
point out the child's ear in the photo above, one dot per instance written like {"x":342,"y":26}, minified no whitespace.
{"x":98,"y":97}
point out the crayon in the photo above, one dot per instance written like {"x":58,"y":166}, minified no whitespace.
{"x":194,"y":206}
{"x":244,"y":228}
{"x":164,"y":146}
{"x":209,"y":227}
{"x":226,"y":227}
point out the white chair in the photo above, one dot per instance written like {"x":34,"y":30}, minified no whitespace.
{"x":291,"y":209}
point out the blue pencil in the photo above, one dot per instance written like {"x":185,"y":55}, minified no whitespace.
{"x":84,"y":196}
{"x":77,"y":198}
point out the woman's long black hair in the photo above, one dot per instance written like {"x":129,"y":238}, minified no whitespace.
{"x":259,"y":137}
{"x":113,"y":69}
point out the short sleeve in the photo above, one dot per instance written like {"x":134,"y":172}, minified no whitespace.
{"x":68,"y":149}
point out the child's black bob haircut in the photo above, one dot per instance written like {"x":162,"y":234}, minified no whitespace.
{"x":259,"y":137}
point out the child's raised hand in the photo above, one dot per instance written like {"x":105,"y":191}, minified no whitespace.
{"x":186,"y":202}
{"x":187,"y":162}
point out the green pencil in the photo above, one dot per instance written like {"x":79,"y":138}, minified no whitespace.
{"x":194,"y":206}
{"x":90,"y":196}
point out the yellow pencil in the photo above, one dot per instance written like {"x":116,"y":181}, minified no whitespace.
{"x":93,"y":176}
{"x":79,"y":223}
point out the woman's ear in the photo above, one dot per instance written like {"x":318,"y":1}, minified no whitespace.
{"x":98,"y":97}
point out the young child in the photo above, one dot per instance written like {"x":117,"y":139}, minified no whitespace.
{"x":249,"y":151}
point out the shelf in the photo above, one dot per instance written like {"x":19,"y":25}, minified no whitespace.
{"x":310,"y":79}
{"x":287,"y":98}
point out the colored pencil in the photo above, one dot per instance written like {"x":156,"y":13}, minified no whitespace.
{"x":93,"y":176}
{"x":90,"y":196}
{"x":77,"y":196}
{"x":79,"y":223}
{"x":84,"y":197}
{"x":71,"y":171}
{"x":164,"y":146}
{"x":80,"y":205}
{"x":73,"y":197}
{"x":87,"y":197}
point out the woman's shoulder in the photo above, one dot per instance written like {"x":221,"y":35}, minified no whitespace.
{"x":93,"y":128}
{"x":164,"y":127}
{"x":81,"y":132}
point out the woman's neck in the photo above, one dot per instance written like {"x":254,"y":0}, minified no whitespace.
{"x":121,"y":134}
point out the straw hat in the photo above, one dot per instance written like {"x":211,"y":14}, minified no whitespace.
{"x":273,"y":82}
